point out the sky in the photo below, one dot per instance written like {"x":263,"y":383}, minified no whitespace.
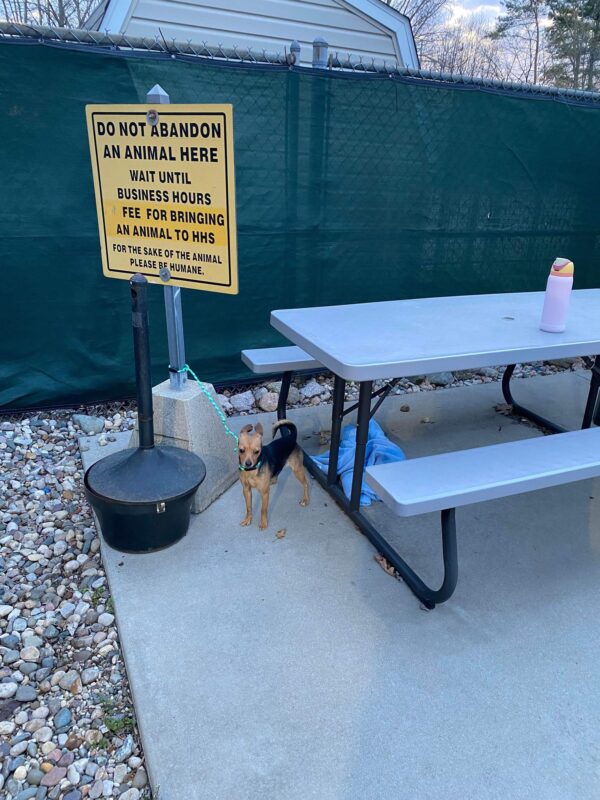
{"x":462,"y":9}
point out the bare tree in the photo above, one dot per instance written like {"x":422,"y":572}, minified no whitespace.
{"x":466,"y":48}
{"x":54,"y":13}
{"x":426,"y":18}
{"x":521,"y":28}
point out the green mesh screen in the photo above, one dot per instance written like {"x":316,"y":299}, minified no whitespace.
{"x":349,"y":188}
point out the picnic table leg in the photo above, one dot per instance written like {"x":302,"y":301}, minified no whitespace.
{"x":286,"y":379}
{"x":428,"y":596}
{"x":592,"y":400}
{"x":362,"y":434}
{"x":522,"y":411}
{"x":337,"y":415}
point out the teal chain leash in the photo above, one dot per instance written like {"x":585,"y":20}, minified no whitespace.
{"x":205,"y":391}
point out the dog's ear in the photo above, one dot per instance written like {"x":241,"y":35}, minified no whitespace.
{"x":259,"y":428}
{"x":246,"y":429}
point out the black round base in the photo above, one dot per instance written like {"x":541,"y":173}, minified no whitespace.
{"x":143,"y":497}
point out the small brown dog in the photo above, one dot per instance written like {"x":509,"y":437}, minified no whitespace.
{"x":259,"y":466}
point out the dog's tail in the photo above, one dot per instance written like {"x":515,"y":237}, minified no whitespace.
{"x":286,"y":428}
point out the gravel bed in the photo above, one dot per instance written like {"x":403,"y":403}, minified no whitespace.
{"x":67,"y":723}
{"x":255,"y":398}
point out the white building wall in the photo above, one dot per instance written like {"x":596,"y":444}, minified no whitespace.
{"x":261,"y":24}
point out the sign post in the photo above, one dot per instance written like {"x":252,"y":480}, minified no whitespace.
{"x":164,"y":181}
{"x":173,"y":312}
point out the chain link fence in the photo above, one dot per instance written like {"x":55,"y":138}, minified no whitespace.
{"x":335,"y":60}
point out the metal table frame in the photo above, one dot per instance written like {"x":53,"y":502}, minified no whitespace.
{"x":387,"y":340}
{"x":592,"y":408}
{"x":329,"y":481}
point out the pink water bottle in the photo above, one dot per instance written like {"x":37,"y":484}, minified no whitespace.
{"x":557,"y":297}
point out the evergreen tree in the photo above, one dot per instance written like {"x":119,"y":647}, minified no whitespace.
{"x":574,"y":42}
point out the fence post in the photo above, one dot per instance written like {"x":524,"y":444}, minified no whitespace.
{"x":292,"y":120}
{"x":173,"y":312}
{"x":320,"y":48}
{"x":295,"y":51}
{"x":317,"y":159}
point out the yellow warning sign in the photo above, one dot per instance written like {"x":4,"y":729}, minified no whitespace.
{"x":165,"y":193}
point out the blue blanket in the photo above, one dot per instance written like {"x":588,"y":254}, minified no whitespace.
{"x":379,"y":451}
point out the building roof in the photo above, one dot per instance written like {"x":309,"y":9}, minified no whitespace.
{"x":115,"y":16}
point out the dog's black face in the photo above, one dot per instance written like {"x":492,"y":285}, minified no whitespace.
{"x":250,"y":446}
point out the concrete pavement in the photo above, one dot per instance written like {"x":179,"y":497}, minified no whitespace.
{"x":296,"y":668}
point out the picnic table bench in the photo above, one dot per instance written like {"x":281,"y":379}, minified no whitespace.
{"x":393,"y":339}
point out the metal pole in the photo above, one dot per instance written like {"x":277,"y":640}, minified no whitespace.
{"x":141,"y":352}
{"x":362,"y":435}
{"x":173,"y":313}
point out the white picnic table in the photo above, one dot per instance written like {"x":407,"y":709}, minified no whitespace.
{"x":398,"y":338}
{"x":365,"y":342}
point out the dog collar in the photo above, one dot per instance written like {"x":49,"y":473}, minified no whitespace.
{"x":242,"y":468}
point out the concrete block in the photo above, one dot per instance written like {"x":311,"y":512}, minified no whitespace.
{"x":185,"y":418}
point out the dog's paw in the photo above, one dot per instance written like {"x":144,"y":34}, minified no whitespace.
{"x":304,"y":502}
{"x":246,"y":521}
{"x":263,"y":526}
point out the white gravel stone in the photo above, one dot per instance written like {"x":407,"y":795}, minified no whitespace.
{"x":88,"y":424}
{"x":293,"y":396}
{"x":89,"y":675}
{"x":18,"y":748}
{"x":121,"y":771}
{"x":34,"y":725}
{"x":30,"y":654}
{"x":93,"y":737}
{"x":106,"y":620}
{"x":130,"y":794}
{"x":268,"y":401}
{"x":7,"y":726}
{"x":312,"y":389}
{"x":67,"y":609}
{"x":259,"y":392}
{"x":43,"y":734}
{"x":7,"y":690}
{"x":73,"y":776}
{"x":441,"y":378}
{"x":242,"y":402}
{"x":140,"y":779}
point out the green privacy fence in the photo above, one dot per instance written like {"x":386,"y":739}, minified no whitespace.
{"x":349,"y":188}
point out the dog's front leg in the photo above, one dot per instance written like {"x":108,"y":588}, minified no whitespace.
{"x":248,"y":498}
{"x":264,"y":509}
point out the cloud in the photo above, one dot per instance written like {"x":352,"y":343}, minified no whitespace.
{"x":460,"y":12}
